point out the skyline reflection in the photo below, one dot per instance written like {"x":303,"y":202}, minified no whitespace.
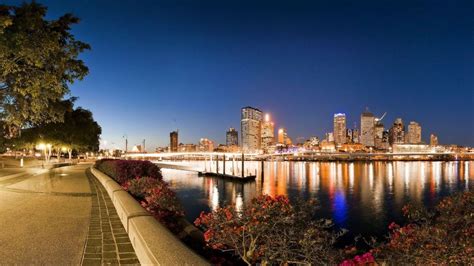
{"x":363,"y":197}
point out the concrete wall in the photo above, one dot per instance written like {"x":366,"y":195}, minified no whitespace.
{"x":152,"y":241}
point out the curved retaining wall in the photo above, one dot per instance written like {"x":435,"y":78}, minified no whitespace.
{"x":153,"y":242}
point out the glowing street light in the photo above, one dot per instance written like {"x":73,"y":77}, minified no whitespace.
{"x":41,"y":146}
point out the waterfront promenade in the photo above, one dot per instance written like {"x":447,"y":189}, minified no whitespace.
{"x":59,"y":216}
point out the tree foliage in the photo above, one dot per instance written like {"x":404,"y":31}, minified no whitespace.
{"x":39,"y":59}
{"x":79,"y":131}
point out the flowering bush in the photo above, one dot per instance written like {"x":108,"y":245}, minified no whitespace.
{"x":270,"y":230}
{"x":124,"y":170}
{"x":444,"y":236}
{"x":364,"y":259}
{"x":138,"y":187}
{"x":143,"y":180}
{"x":162,"y":202}
{"x":156,"y":197}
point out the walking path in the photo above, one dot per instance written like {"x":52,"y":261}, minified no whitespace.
{"x":59,"y":217}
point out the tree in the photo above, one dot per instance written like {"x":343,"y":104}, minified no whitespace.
{"x":38,"y":62}
{"x":78,"y":131}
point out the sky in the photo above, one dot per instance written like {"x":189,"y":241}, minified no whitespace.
{"x":157,"y":66}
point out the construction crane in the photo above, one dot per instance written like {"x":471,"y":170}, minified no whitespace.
{"x":380,"y":119}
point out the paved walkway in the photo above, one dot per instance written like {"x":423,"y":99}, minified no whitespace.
{"x":58,"y":217}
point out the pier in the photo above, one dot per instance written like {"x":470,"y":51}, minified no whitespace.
{"x":221,"y":165}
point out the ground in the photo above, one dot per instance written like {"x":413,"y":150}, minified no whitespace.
{"x":59,"y":216}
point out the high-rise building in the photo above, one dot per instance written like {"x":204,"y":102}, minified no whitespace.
{"x":268,"y":133}
{"x":355,"y":135}
{"x":329,"y":137}
{"x":251,"y":129}
{"x":397,"y":132}
{"x":385,"y":138}
{"x":282,"y":136}
{"x":367,"y":129}
{"x":349,"y":135}
{"x":414,"y":133}
{"x":378,"y":131}
{"x":232,"y":137}
{"x":174,"y":141}
{"x":339,"y":128}
{"x":434,"y":140}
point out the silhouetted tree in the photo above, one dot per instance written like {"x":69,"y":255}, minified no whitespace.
{"x":38,"y":62}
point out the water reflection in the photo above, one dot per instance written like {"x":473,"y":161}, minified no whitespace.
{"x":362,"y":197}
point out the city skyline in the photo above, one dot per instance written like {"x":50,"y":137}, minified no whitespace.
{"x":405,"y":64}
{"x":258,"y":135}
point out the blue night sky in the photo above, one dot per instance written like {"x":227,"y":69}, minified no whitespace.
{"x":160,"y":65}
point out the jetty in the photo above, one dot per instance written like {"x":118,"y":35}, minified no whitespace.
{"x":220,"y":166}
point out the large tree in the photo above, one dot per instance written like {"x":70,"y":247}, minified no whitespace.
{"x":79,"y":131}
{"x":39,"y":59}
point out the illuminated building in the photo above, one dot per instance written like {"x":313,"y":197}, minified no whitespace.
{"x":434,"y":140}
{"x":355,"y":135}
{"x":367,"y":129}
{"x":314,"y":141}
{"x":352,"y":147}
{"x":268,"y":133}
{"x":329,"y":137}
{"x":328,"y":146}
{"x":411,"y":148}
{"x":283,"y":137}
{"x":349,"y":135}
{"x":251,"y":131}
{"x":339,"y":128}
{"x":385,"y":137}
{"x":414,"y":133}
{"x":397,"y":132}
{"x":312,"y":144}
{"x":174,"y":141}
{"x":381,"y":137}
{"x":232,"y":137}
{"x":187,"y":147}
{"x":206,"y":145}
{"x":137,"y":149}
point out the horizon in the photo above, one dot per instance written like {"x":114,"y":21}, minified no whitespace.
{"x":167,"y":65}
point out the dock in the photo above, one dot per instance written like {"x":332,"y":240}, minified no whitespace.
{"x":208,"y":172}
{"x":228,"y":177}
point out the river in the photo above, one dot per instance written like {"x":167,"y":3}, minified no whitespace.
{"x":362,"y":197}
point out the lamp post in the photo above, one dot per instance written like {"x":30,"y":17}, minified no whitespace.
{"x":126,"y":142}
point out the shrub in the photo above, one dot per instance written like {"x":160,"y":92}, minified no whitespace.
{"x":271,"y":231}
{"x":444,"y":236}
{"x":139,"y":186}
{"x":162,"y":202}
{"x":124,"y":170}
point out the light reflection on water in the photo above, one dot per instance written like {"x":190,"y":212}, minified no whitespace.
{"x":362,"y":197}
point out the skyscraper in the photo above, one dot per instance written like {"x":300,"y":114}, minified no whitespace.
{"x":355,"y":135}
{"x":397,"y":132}
{"x":232,"y":137}
{"x":283,"y":137}
{"x":414,"y":133}
{"x":268,"y":133}
{"x":340,"y":128}
{"x":434,"y":140}
{"x":367,"y":129}
{"x":349,"y":135}
{"x":251,"y":129}
{"x":174,"y":141}
{"x":379,"y":129}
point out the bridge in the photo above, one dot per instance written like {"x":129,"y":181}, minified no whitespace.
{"x":303,"y":155}
{"x":245,"y":166}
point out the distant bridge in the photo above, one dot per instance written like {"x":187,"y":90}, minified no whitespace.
{"x":305,"y":155}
